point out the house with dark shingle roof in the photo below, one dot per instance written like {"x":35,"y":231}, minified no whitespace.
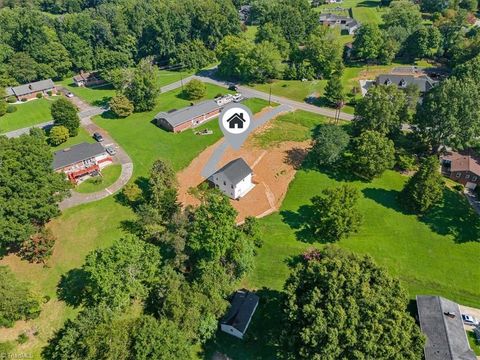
{"x":441,"y":322}
{"x":234,"y":179}
{"x":188,"y":117}
{"x":81,"y":160}
{"x":423,"y":82}
{"x":462,"y":167}
{"x":30,"y":90}
{"x":241,"y":311}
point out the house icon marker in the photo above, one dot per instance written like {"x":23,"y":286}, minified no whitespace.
{"x":236,"y":121}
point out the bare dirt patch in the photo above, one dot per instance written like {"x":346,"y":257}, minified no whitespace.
{"x":273,"y":170}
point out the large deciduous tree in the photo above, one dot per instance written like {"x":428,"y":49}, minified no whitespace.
{"x":29,"y":188}
{"x":144,"y":88}
{"x":450,"y":114}
{"x":334,"y":213}
{"x":121,"y":273}
{"x":329,"y":143}
{"x":64,"y":113}
{"x":425,"y":188}
{"x":121,"y":106}
{"x":18,"y":302}
{"x":195,"y":89}
{"x":372,"y":154}
{"x":383,"y":109}
{"x":324,"y":51}
{"x":343,"y":306}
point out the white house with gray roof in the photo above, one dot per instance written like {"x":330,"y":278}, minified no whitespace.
{"x":441,"y":322}
{"x":344,"y":22}
{"x":234,"y":179}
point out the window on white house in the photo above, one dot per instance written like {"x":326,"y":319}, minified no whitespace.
{"x":459,"y":175}
{"x":474,"y":178}
{"x":231,"y":186}
{"x":225,"y":183}
{"x":467,"y":176}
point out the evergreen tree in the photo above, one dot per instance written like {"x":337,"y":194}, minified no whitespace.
{"x":424,"y":189}
{"x":334,"y":91}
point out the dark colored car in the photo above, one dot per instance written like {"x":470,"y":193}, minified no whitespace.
{"x":97,"y":136}
{"x":233,"y":87}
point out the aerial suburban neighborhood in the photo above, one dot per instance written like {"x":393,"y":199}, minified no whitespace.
{"x":240,"y":179}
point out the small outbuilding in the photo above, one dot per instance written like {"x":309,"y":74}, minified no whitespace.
{"x":441,"y":322}
{"x":242,"y":308}
{"x":234,"y":179}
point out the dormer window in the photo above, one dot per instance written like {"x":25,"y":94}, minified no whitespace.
{"x":388,"y":82}
{"x":403,"y":83}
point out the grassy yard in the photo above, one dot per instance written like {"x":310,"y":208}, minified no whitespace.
{"x":145,"y":142}
{"x":109,"y":175}
{"x":78,"y":230}
{"x":293,"y":126}
{"x":83,"y":136}
{"x":28,"y":114}
{"x":101,"y":95}
{"x":474,"y":344}
{"x":294,"y":89}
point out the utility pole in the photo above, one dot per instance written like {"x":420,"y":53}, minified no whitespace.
{"x":181,"y":81}
{"x":270,"y":95}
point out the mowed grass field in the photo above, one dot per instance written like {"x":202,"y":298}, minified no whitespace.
{"x":110,"y":174}
{"x":145,"y":142}
{"x":30,"y":113}
{"x":101,"y":95}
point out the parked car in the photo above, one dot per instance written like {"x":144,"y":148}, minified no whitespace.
{"x":97,"y":136}
{"x":233,"y":87}
{"x":111,"y":150}
{"x":69,"y":94}
{"x":469,"y":320}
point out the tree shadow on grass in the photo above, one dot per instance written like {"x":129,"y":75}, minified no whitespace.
{"x":262,"y":340}
{"x":102,"y":102}
{"x":453,"y":217}
{"x":71,"y":287}
{"x":300,"y":221}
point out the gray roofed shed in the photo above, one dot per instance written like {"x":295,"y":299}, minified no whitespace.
{"x":25,"y":89}
{"x":235,"y":171}
{"x":243,"y":306}
{"x":75,"y":154}
{"x":441,"y":321}
{"x":178,"y":117}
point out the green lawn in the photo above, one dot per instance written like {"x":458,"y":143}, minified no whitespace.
{"x":78,"y":230}
{"x":101,"y":95}
{"x":28,"y":114}
{"x":365,"y":11}
{"x":145,"y":142}
{"x":293,"y":126}
{"x":294,"y":89}
{"x":474,"y":344}
{"x":109,"y":175}
{"x":256,"y":105}
{"x":83,"y":136}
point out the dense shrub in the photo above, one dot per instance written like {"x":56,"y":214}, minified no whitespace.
{"x":11,"y":109}
{"x":58,"y":135}
{"x":39,"y":95}
{"x":11,"y":99}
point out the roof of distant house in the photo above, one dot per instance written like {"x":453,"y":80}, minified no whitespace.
{"x":76,"y":153}
{"x":178,"y":117}
{"x":423,"y":82}
{"x":29,"y":88}
{"x":330,"y":18}
{"x":241,"y":310}
{"x":463,"y":162}
{"x":87,"y":76}
{"x":441,"y":321}
{"x":235,"y":171}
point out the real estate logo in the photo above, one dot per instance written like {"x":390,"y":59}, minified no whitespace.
{"x":235,"y":121}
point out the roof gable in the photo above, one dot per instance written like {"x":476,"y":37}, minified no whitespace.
{"x":241,"y":310}
{"x":235,"y":171}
